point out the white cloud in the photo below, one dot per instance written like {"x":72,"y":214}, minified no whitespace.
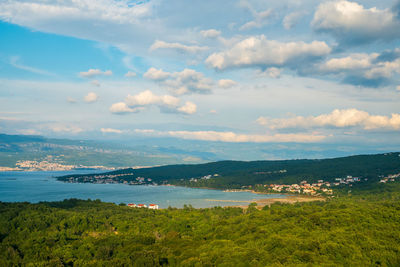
{"x":290,"y":20}
{"x":166,"y":103}
{"x":185,"y":82}
{"x":337,"y":118}
{"x":260,"y":19}
{"x":351,"y":62}
{"x":145,"y":131}
{"x":383,"y":69}
{"x":211,"y":33}
{"x":237,"y":138}
{"x":149,"y":98}
{"x":226,"y":83}
{"x":257,"y":51}
{"x":119,"y":23}
{"x":42,"y":11}
{"x":94,"y":72}
{"x":177,"y":46}
{"x":91,"y":97}
{"x":156,"y":75}
{"x":130,"y":74}
{"x":188,"y":108}
{"x":122,"y":108}
{"x":363,"y":69}
{"x":350,"y":22}
{"x":60,"y":128}
{"x":110,"y":130}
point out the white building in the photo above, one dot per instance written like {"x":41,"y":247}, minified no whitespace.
{"x":153,"y":206}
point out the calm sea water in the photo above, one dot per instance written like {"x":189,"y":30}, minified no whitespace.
{"x":42,"y":186}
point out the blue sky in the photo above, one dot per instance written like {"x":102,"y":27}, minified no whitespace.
{"x":243,"y":71}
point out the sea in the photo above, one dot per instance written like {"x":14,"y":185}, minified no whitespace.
{"x":43,"y":186}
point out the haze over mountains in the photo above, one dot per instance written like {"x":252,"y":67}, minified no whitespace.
{"x":158,"y":151}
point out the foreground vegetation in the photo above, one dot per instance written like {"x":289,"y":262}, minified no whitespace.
{"x":357,"y":230}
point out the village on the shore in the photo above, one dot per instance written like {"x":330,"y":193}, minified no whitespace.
{"x":151,"y":206}
{"x":50,"y":163}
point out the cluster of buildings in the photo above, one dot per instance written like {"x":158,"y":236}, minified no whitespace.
{"x":33,"y":165}
{"x":303,"y":188}
{"x":151,"y":206}
{"x":50,"y":163}
{"x":205,"y":177}
{"x":389,"y":178}
{"x":321,"y":187}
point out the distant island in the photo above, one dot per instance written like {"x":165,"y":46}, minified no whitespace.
{"x":313,"y":177}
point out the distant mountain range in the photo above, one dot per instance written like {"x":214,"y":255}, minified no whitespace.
{"x":41,"y":153}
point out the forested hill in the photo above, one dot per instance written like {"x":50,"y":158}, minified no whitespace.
{"x":233,"y":174}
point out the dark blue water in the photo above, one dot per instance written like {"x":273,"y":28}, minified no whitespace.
{"x":42,"y":186}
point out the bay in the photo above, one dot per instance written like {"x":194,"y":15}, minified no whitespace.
{"x":42,"y":186}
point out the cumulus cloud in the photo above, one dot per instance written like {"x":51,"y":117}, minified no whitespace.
{"x":130,"y":74}
{"x":177,"y":46}
{"x":226,"y":83}
{"x":258,"y":51}
{"x":351,"y":23}
{"x":110,"y":130}
{"x":290,"y":20}
{"x":166,"y":103}
{"x":60,"y":128}
{"x":260,"y":19}
{"x":91,"y":97}
{"x":95,"y":72}
{"x":237,"y":138}
{"x":122,"y":108}
{"x":363,"y":69}
{"x":149,"y":98}
{"x":188,"y":108}
{"x":211,"y":33}
{"x":156,"y":75}
{"x":351,"y":62}
{"x":338,"y":118}
{"x":185,"y":82}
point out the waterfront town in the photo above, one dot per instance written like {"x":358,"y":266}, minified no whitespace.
{"x":151,"y":206}
{"x":48,"y":164}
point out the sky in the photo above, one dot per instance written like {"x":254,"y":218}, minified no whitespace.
{"x":237,"y":71}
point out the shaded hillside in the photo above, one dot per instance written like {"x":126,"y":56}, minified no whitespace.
{"x":232,"y":174}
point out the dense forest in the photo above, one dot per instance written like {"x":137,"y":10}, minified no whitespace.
{"x":361,"y":229}
{"x":235,"y":174}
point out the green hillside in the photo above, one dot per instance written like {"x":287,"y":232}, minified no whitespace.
{"x":235,"y":174}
